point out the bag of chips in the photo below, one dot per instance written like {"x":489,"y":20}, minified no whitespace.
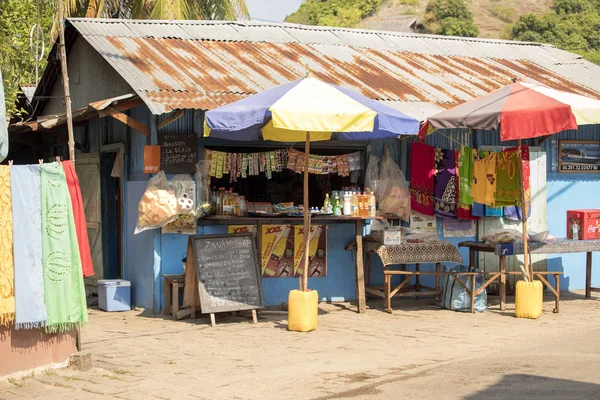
{"x":158,"y":205}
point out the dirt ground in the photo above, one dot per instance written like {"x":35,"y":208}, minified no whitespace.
{"x":418,"y":352}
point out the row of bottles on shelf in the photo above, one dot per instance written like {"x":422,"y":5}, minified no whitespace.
{"x":351,"y":203}
{"x":228,"y":203}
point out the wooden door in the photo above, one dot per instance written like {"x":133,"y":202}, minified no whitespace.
{"x":88,"y":171}
{"x":535,"y":223}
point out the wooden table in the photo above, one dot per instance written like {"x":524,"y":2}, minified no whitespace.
{"x":405,"y":254}
{"x":557,"y":246}
{"x":173,"y":282}
{"x":317,"y":220}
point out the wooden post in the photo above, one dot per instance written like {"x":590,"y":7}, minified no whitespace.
{"x":175,"y":300}
{"x":213,"y":322}
{"x":167,"y":290}
{"x":472,"y":261}
{"x":588,"y":275}
{"x":254,"y":317}
{"x":438,"y":270}
{"x":65,"y":75}
{"x":360,"y":272}
{"x":473,"y":293}
{"x":306,"y":215}
{"x":502,"y":288}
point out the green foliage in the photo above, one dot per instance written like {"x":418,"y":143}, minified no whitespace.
{"x":344,"y":13}
{"x":17,"y":17}
{"x":574,"y":25}
{"x":450,"y":18}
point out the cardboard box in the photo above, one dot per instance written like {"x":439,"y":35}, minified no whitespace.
{"x":389,"y":236}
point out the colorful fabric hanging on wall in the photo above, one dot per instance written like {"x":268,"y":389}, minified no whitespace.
{"x":7,"y":275}
{"x":422,"y":167}
{"x":79,"y":217}
{"x":30,"y":309}
{"x":484,"y":178}
{"x":494,"y":211}
{"x":463,"y":211}
{"x":465,"y":176}
{"x":63,"y":277}
{"x":445,"y":185}
{"x":508,"y":176}
{"x":515,"y":213}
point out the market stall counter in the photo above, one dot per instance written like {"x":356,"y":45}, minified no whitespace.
{"x":417,"y":253}
{"x":556,"y":246}
{"x":316,"y":220}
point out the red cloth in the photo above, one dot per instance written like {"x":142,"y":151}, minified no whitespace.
{"x":79,"y":216}
{"x":421,"y":177}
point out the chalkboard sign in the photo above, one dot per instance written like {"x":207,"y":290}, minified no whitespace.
{"x":178,"y":152}
{"x":228,"y":272}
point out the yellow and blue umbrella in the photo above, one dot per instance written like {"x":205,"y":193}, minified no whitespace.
{"x":307,"y":110}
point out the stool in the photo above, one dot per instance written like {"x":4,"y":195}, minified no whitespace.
{"x":173,"y":282}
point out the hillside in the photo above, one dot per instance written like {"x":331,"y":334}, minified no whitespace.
{"x":491,"y":16}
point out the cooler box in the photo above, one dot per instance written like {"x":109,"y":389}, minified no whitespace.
{"x":114,"y":295}
{"x":589,"y":223}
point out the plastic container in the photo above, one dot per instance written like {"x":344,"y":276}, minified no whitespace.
{"x":114,"y":295}
{"x":529,"y":299}
{"x":587,"y":222}
{"x":303,"y":310}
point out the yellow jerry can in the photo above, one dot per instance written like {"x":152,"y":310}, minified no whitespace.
{"x":529,"y":298}
{"x":303,"y":310}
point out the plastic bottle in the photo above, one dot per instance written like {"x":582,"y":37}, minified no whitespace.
{"x":326,"y":203}
{"x":354,"y":203}
{"x":347,"y":204}
{"x":372,"y":204}
{"x":336,"y":204}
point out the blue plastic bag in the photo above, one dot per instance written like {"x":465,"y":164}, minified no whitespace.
{"x":455,"y":298}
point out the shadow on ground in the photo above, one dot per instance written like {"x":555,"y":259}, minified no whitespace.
{"x":522,"y":386}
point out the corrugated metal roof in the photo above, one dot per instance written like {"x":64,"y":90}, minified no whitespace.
{"x":205,"y":64}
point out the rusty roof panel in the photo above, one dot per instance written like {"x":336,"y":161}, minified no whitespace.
{"x":200,"y":64}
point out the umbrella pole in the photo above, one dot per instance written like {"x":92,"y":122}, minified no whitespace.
{"x":306,"y":215}
{"x":528,"y":270}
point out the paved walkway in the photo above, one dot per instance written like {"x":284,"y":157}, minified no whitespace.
{"x":373,"y":355}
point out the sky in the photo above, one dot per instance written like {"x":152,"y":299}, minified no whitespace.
{"x":272,"y":10}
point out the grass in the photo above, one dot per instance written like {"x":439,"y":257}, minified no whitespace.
{"x":15,"y":382}
{"x":504,"y":12}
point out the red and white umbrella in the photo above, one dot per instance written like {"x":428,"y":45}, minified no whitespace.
{"x":520,"y":111}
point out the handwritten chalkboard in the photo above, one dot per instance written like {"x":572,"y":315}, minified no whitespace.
{"x":228,"y":272}
{"x":178,"y":152}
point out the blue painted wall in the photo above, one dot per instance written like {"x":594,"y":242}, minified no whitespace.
{"x":139,"y":250}
{"x":574,"y":192}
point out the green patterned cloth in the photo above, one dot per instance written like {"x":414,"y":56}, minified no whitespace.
{"x":465,"y":176}
{"x":64,"y":291}
{"x":508,"y":179}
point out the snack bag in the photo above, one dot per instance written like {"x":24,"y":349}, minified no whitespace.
{"x":158,"y":205}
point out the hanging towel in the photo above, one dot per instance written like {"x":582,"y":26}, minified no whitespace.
{"x":444,"y":191}
{"x":64,"y":292}
{"x":7,"y":274}
{"x":79,"y":216}
{"x":494,"y":211}
{"x":484,"y":179}
{"x":463,"y":211}
{"x":508,"y":178}
{"x":526,"y":175}
{"x":465,"y":175}
{"x":478,"y":210}
{"x":515,"y":213}
{"x":30,"y":308}
{"x":421,"y":178}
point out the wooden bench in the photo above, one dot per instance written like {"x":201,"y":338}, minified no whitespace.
{"x":174,"y":282}
{"x":541,"y":275}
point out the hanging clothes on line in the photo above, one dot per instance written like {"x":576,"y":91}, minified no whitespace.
{"x":422,"y":160}
{"x":7,"y":274}
{"x":63,"y":277}
{"x":508,"y":176}
{"x":445,"y":185}
{"x":484,"y":178}
{"x":465,"y":175}
{"x":30,"y":309}
{"x":79,"y":217}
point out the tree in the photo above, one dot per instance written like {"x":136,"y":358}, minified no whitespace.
{"x":342,"y":13}
{"x":574,"y":25}
{"x":17,"y":17}
{"x":449,"y":18}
